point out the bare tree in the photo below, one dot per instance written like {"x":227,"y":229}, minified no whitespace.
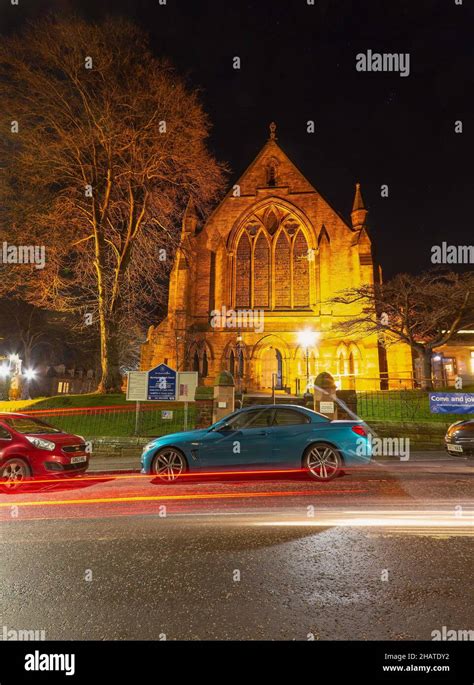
{"x":110,"y":145}
{"x":423,"y":311}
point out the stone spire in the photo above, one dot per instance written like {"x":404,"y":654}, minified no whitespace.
{"x":190,"y":219}
{"x":359,"y":212}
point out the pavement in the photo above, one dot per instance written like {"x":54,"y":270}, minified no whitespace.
{"x":381,"y":553}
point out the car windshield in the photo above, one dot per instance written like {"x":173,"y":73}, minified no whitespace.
{"x":222,"y":422}
{"x":246,"y":419}
{"x":27,"y":425}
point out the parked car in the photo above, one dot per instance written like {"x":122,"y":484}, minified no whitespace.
{"x":459,"y":439}
{"x":282,"y":437}
{"x":30,"y":447}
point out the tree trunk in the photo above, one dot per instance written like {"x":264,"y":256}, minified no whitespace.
{"x":111,"y":379}
{"x":426,"y":381}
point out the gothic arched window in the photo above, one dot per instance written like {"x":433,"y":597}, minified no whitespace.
{"x":204,"y":364}
{"x":272,"y":265}
{"x":240,"y":363}
{"x":243,"y":265}
{"x":341,"y":364}
{"x":300,"y":271}
{"x":282,"y":272}
{"x":261,"y":257}
{"x":351,"y":364}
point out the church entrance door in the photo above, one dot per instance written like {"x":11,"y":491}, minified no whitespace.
{"x":272,"y":366}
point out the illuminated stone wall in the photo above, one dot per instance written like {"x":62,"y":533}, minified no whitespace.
{"x":276,"y":246}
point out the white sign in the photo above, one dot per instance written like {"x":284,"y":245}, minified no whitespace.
{"x":326,"y":407}
{"x":137,"y":386}
{"x":139,"y":382}
{"x":166,"y":415}
{"x":187,"y":384}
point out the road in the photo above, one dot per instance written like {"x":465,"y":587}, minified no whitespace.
{"x":384,"y":553}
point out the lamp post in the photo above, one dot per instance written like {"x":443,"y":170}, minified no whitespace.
{"x":239,"y":347}
{"x":307,"y":338}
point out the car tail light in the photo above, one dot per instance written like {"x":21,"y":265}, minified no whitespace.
{"x":359,"y":430}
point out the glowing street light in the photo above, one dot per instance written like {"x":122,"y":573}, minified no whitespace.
{"x":29,"y":374}
{"x":4,"y":371}
{"x":307,"y":338}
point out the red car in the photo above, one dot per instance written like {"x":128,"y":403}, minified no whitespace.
{"x":30,"y":447}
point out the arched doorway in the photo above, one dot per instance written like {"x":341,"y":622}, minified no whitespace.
{"x":272,"y":363}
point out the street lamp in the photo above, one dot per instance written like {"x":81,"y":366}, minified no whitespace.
{"x":239,"y":347}
{"x":29,"y":374}
{"x":307,"y":338}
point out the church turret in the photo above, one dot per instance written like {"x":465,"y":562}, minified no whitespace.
{"x":190,"y":219}
{"x":359,"y":212}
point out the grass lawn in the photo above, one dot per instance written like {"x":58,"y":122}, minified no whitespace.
{"x":65,"y":402}
{"x":118,"y":423}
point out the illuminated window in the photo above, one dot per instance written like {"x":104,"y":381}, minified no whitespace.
{"x":272,"y":267}
{"x":262,"y":272}
{"x":243,"y":272}
{"x":282,"y":272}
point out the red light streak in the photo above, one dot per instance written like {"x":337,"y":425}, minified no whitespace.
{"x":187,"y":497}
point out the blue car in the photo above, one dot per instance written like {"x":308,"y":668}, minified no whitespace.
{"x":282,"y":437}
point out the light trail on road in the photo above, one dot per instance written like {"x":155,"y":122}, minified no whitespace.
{"x":154,"y":498}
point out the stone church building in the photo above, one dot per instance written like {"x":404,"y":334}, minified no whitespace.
{"x":262,"y":269}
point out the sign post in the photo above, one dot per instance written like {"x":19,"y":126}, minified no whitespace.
{"x":162,"y":383}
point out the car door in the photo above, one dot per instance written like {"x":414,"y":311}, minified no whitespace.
{"x":290,"y":432}
{"x":244,"y":442}
{"x":5,"y":441}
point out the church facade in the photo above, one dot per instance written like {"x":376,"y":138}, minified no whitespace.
{"x":250,"y":290}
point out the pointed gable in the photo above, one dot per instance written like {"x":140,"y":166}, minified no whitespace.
{"x":273,"y":168}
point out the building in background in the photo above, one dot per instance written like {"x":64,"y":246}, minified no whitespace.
{"x":250,"y":290}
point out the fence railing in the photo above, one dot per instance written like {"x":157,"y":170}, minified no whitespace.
{"x":399,"y":405}
{"x":121,"y":420}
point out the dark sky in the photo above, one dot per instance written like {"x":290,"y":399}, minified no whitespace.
{"x":298,"y":64}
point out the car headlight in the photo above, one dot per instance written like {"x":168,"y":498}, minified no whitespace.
{"x":40,"y":443}
{"x":149,"y":446}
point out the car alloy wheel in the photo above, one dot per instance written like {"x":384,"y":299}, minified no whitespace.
{"x":13,"y":473}
{"x":169,"y":464}
{"x":322,"y":462}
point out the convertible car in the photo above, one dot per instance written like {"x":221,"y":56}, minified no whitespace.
{"x":282,"y":437}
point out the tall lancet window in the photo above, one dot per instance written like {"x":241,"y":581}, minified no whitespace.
{"x":262,"y":272}
{"x":272,"y":265}
{"x":282,"y":277}
{"x":300,"y":271}
{"x":243,"y":267}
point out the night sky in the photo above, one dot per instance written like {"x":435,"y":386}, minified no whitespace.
{"x":298,"y":64}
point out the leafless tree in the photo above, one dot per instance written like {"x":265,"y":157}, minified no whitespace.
{"x":423,"y":311}
{"x":111,"y":145}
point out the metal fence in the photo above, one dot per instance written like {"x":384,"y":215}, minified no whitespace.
{"x":122,"y":420}
{"x":399,"y":405}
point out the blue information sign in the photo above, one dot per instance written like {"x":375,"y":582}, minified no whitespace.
{"x":162,"y":383}
{"x":452,"y":402}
